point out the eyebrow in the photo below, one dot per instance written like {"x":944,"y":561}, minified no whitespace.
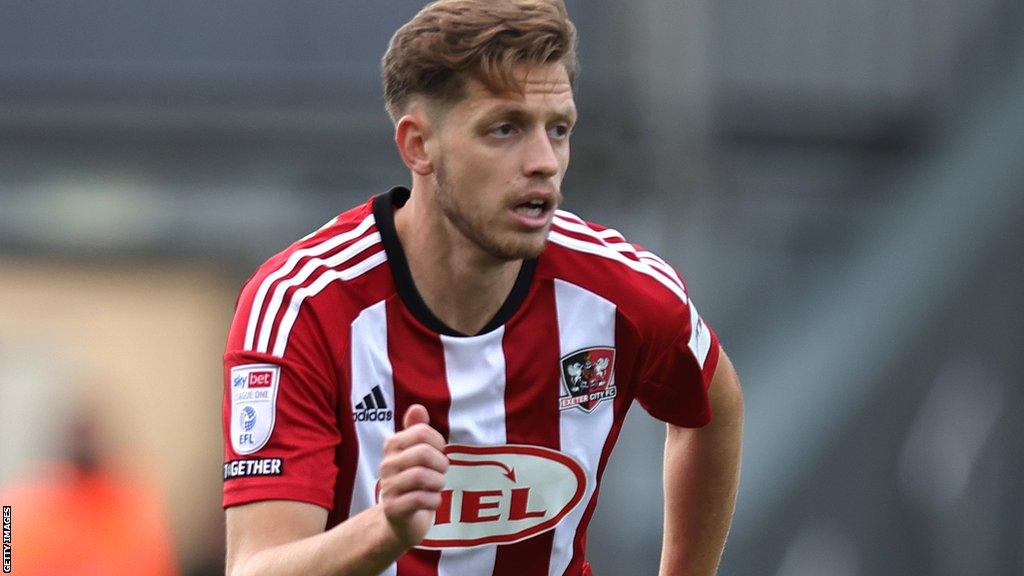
{"x":519,"y":114}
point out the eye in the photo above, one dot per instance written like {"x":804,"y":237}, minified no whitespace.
{"x":506,"y":129}
{"x":560,"y":131}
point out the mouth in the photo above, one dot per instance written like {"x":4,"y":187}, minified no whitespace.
{"x":534,"y":213}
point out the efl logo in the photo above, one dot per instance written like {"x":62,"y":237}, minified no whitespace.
{"x":503,"y":494}
{"x":253,"y":405}
{"x":261,"y":379}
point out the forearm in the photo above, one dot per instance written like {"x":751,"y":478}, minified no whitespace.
{"x":362,"y":545}
{"x":282,"y":537}
{"x":701,"y":481}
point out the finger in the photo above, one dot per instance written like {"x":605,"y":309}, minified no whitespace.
{"x":416,"y":414}
{"x":412,"y":480}
{"x":420,"y":455}
{"x":418,"y":434}
{"x":409,"y":503}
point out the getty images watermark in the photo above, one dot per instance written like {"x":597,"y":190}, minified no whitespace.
{"x":7,"y":539}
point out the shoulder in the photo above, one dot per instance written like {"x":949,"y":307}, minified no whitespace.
{"x":343,"y":246}
{"x":346,"y":249}
{"x":598,"y":259}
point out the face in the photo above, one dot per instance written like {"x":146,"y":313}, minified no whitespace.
{"x":499,"y":160}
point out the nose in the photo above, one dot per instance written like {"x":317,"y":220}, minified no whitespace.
{"x":541,"y":159}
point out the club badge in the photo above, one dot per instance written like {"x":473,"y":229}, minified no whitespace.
{"x":588,"y":378}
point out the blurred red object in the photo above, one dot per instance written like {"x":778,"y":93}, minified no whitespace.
{"x":77,"y":522}
{"x":83,"y":517}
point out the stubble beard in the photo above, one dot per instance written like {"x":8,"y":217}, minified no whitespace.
{"x":475,"y":229}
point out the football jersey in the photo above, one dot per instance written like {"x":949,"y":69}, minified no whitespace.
{"x":331,"y":343}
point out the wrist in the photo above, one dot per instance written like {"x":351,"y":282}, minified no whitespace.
{"x":390,"y":541}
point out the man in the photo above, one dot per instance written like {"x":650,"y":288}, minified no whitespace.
{"x":432,"y":383}
{"x":82,"y":515}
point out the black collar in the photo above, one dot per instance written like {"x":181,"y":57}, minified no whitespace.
{"x":384,"y":215}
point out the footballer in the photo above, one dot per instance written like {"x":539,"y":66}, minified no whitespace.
{"x":432,"y":383}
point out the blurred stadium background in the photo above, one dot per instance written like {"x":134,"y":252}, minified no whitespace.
{"x":841,"y":183}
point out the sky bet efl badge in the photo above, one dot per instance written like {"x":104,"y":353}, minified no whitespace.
{"x":588,"y":376}
{"x":253,"y":402}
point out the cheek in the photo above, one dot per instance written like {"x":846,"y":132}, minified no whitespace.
{"x":488,"y":179}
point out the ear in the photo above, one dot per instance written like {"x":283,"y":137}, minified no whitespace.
{"x":412,"y":137}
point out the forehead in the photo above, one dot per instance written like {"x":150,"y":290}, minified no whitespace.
{"x":546,"y":88}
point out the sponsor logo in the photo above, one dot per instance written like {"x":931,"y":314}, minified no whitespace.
{"x":503,"y":494}
{"x":243,"y":468}
{"x":253,"y":405}
{"x":260,"y":378}
{"x":588,"y":377}
{"x":373,"y":408}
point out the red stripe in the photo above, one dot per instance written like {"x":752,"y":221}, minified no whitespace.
{"x":417,"y":361}
{"x":346,"y":457}
{"x":531,"y":409}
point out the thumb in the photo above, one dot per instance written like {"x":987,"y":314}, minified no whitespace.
{"x":416,"y":414}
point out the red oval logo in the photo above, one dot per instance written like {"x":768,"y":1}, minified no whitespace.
{"x":503,"y":494}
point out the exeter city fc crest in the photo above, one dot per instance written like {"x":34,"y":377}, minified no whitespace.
{"x":588,"y":378}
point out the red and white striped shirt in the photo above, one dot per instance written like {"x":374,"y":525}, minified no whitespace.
{"x":331,"y":343}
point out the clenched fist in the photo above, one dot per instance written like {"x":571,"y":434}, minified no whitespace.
{"x":412,"y":476}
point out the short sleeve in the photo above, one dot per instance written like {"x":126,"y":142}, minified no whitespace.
{"x":681,"y":360}
{"x":280,"y":427}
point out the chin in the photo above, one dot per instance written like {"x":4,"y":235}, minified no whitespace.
{"x":536,"y":248}
{"x":519,"y":248}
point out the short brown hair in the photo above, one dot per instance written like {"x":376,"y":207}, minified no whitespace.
{"x":452,"y":40}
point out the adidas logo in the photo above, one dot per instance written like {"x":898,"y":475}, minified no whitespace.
{"x":373,"y":408}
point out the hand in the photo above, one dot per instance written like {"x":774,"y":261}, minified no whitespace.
{"x":412,"y":477}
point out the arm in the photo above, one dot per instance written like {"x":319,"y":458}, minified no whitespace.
{"x":701,"y":477}
{"x":285,"y":538}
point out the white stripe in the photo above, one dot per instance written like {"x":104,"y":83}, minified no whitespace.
{"x":475,"y":369}
{"x":605,"y":252}
{"x":311,"y":266}
{"x":620,"y":246}
{"x":585,"y":320}
{"x":289,"y":265}
{"x":371,"y":367}
{"x":665,"y":266}
{"x":566,"y":215}
{"x":313,"y":289}
{"x":572,"y":222}
{"x":700,"y":337}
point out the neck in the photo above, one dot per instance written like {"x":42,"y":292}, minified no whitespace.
{"x":461,"y":284}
